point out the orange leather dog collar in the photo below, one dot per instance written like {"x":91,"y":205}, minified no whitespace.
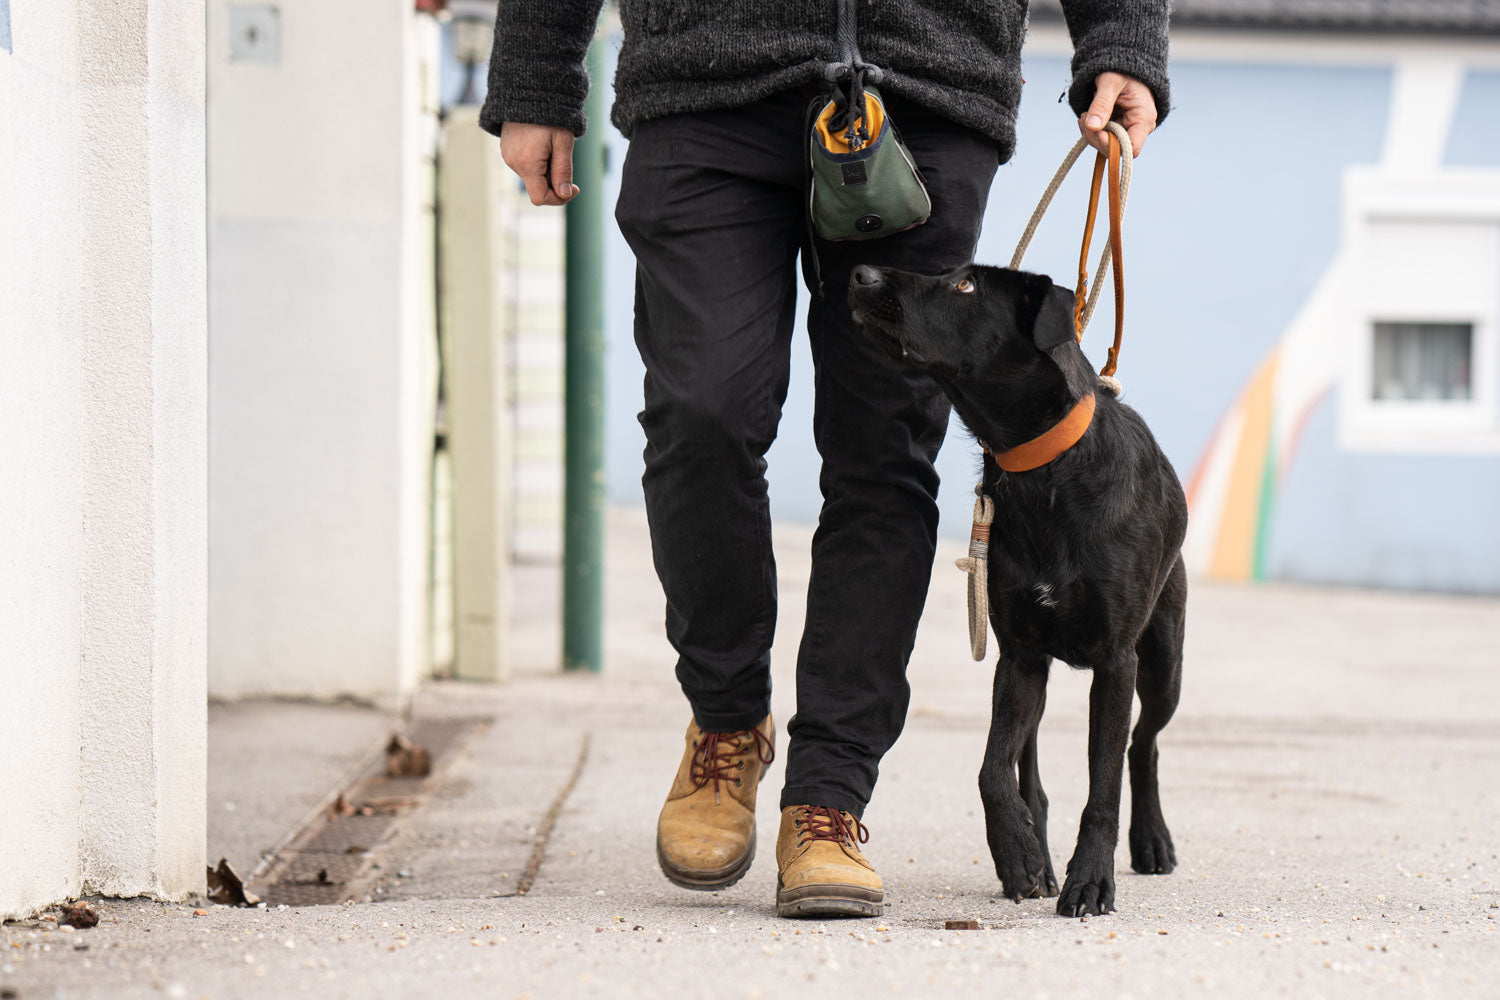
{"x":1050,"y":443}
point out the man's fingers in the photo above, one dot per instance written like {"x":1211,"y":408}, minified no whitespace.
{"x":1106,"y":92}
{"x":1091,"y":124}
{"x":1138,"y":128}
{"x":1097,"y":138}
{"x":1124,"y":99}
{"x":1139,"y":122}
{"x":562,"y":168}
{"x":542,"y":156}
{"x":537,"y":188}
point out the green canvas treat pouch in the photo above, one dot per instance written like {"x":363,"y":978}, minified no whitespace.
{"x":863,"y":182}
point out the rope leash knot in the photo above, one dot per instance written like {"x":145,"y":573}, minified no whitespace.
{"x":976,"y":564}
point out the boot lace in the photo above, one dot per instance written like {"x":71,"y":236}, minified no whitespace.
{"x":823,"y":823}
{"x":720,"y":757}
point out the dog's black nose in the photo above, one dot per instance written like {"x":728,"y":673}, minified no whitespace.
{"x":864,"y":274}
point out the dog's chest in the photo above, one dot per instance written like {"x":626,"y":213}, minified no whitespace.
{"x":1041,"y":593}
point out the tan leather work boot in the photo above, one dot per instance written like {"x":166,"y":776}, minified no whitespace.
{"x":705,"y":837}
{"x":821,"y":870}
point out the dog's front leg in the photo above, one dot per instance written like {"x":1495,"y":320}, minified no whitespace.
{"x":1020,"y":694}
{"x":1090,"y":885}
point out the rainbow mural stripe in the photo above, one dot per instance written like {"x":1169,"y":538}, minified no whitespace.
{"x":1232,"y":492}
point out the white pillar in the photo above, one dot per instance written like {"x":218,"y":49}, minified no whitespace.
{"x":102,"y":388}
{"x":320,"y":363}
{"x":476,"y":345}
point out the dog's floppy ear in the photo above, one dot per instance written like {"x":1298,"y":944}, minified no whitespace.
{"x":1049,"y":310}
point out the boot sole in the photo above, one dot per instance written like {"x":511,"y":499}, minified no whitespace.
{"x":829,"y":901}
{"x":706,"y":881}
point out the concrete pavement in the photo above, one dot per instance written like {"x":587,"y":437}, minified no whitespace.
{"x":1329,"y":780}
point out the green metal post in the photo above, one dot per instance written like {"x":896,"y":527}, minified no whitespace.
{"x":583,"y":529}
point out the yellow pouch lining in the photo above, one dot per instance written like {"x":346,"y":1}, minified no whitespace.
{"x":874,"y":120}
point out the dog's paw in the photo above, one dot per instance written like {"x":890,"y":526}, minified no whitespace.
{"x":1087,"y":893}
{"x":1151,"y":851}
{"x":1024,"y":869}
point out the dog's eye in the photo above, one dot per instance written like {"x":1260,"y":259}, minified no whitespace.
{"x":965,"y":286}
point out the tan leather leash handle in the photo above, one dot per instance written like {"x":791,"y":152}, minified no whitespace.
{"x":1081,"y":295}
{"x":1116,"y":250}
{"x":1119,"y":193}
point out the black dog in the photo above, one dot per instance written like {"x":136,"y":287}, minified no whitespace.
{"x":1084,"y":560}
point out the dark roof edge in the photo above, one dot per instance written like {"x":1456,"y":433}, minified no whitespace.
{"x":1283,"y":24}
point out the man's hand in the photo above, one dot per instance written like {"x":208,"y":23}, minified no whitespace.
{"x":1122,"y":98}
{"x":542,"y":156}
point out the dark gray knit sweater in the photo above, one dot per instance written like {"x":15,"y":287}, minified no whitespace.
{"x":960,"y":58}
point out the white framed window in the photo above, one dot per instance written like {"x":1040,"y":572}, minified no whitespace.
{"x":1422,"y":351}
{"x":1422,"y":362}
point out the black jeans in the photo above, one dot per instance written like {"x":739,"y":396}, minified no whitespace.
{"x":713,"y":205}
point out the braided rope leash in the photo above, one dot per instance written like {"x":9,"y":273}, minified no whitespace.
{"x":1124,"y":169}
{"x":1118,"y":160}
{"x":976,"y":565}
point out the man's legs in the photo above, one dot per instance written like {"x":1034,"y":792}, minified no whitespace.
{"x":878,"y":429}
{"x":711,"y":205}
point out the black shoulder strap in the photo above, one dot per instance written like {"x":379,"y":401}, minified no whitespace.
{"x":851,"y":73}
{"x":847,"y":34}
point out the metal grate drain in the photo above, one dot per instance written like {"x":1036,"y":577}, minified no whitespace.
{"x":334,"y":858}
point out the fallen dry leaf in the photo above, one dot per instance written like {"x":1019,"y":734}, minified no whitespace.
{"x":386,"y":804}
{"x":79,"y":915}
{"x":960,"y":925}
{"x":224,"y":886}
{"x":404,"y":759}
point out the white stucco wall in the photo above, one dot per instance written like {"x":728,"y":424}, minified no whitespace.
{"x":41,"y":452}
{"x":102,"y":397}
{"x":321,"y":411}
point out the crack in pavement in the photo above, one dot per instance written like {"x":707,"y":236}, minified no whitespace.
{"x":544,"y":832}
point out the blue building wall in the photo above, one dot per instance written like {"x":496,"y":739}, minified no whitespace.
{"x":1393,"y":520}
{"x":1397,"y":520}
{"x":1473,"y":141}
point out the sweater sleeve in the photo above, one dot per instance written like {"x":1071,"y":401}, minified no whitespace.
{"x":1121,"y":36}
{"x":537,"y":70}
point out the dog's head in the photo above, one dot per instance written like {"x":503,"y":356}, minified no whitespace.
{"x":999,"y":342}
